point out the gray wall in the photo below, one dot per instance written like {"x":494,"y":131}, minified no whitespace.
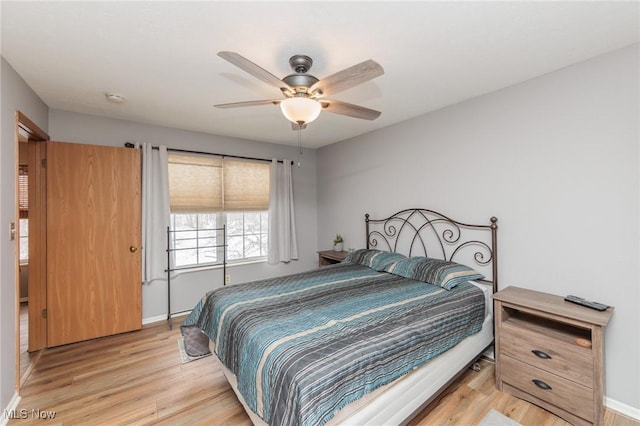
{"x":188,"y":288}
{"x":15,"y":95}
{"x":556,"y":159}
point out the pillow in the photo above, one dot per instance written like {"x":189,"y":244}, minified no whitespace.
{"x":443,"y":273}
{"x":375,"y":259}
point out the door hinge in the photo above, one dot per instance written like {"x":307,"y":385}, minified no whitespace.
{"x":43,"y":162}
{"x":44,"y":313}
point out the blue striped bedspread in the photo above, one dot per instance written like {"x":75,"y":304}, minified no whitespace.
{"x":305,"y":345}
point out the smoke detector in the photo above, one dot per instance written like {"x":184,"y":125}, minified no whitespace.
{"x":114,"y":98}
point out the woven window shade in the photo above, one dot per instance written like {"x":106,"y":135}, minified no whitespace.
{"x":246,"y":185}
{"x":211,"y":184}
{"x":23,"y":191}
{"x":195,"y":184}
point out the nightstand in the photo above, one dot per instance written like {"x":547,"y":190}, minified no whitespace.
{"x":551,"y":353}
{"x":329,"y":257}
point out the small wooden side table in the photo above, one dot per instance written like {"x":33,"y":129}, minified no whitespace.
{"x":551,"y":352}
{"x":329,"y":257}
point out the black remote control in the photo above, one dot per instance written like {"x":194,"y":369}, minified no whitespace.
{"x":580,"y":301}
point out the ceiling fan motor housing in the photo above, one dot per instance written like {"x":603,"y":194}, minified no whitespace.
{"x":300,"y":81}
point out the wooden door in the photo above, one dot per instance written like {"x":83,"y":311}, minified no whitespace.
{"x":93,"y":236}
{"x":37,"y":280}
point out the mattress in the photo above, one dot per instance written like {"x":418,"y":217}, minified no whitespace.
{"x":404,"y":397}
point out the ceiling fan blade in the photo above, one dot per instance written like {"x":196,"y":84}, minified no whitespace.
{"x":255,"y":70}
{"x":347,"y":78}
{"x":249,"y":103}
{"x":350,"y":110}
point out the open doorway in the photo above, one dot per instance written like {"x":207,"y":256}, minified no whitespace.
{"x":23,"y":249}
{"x":29,"y":262}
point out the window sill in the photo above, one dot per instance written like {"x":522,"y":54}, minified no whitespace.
{"x":218,"y":266}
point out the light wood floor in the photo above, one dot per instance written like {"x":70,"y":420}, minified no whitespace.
{"x":138,"y":378}
{"x":24,"y":337}
{"x":25,"y":357}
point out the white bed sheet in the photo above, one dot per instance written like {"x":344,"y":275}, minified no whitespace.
{"x":395,"y":402}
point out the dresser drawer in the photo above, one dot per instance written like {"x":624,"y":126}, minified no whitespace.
{"x":567,"y":360}
{"x":563,"y":393}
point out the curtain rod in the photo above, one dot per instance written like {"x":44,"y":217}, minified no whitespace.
{"x":132,"y":145}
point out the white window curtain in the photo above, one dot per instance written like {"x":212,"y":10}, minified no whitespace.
{"x":283,"y":246}
{"x":155,"y":212}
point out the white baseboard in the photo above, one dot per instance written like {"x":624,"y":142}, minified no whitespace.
{"x":623,"y":409}
{"x":158,"y":318}
{"x":161,"y":318}
{"x":13,"y":405}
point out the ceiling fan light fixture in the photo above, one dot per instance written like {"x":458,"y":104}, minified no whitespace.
{"x":300,"y":110}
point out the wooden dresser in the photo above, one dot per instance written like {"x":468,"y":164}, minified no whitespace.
{"x":329,"y":257}
{"x":551,"y":353}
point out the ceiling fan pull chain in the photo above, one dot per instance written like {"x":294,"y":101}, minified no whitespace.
{"x":299,"y":143}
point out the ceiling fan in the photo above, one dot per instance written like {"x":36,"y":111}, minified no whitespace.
{"x":305,"y":95}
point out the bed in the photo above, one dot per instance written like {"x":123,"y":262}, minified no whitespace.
{"x":373,"y":339}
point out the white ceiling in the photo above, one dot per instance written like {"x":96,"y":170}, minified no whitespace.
{"x":161,"y":56}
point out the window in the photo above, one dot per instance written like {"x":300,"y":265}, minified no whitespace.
{"x":24,"y":239}
{"x":207,"y":192}
{"x":23,"y":208}
{"x":194,"y":239}
{"x":247,"y":235}
{"x":23,"y":191}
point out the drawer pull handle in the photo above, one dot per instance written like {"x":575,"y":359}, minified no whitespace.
{"x":541,"y":354}
{"x":541,"y":384}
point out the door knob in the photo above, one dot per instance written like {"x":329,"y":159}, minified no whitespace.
{"x":133,"y":249}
